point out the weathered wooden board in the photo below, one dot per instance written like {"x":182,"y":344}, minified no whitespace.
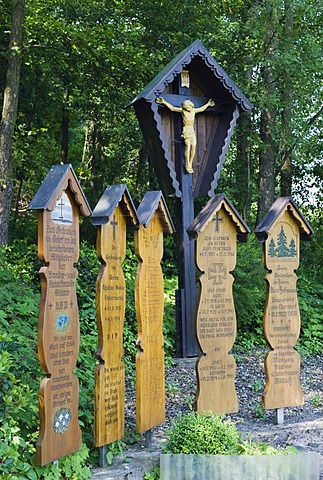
{"x":149,"y":296}
{"x":110,"y":311}
{"x":58,"y":331}
{"x":281,"y":320}
{"x":216,"y":318}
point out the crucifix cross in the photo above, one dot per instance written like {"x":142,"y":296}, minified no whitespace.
{"x":188,"y":109}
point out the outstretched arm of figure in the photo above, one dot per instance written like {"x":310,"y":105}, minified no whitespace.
{"x":210,"y":103}
{"x":171,"y":107}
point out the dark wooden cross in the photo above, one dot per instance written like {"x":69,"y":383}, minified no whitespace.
{"x":186,"y":295}
{"x":217,"y":220}
{"x":114,"y":223}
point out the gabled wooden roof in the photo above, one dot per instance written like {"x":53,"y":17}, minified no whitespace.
{"x":206,"y":214}
{"x":152,"y":203}
{"x":111,"y":198}
{"x":211,"y":81}
{"x":58,"y":179}
{"x":206,"y":68}
{"x":278,"y":208}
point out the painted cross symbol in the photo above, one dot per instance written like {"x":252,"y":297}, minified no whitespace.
{"x":217,"y":220}
{"x":114,"y":223}
{"x":61,"y":204}
{"x":217,"y":272}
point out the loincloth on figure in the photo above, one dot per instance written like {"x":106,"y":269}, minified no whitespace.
{"x":188,"y":134}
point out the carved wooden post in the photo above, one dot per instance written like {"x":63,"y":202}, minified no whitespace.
{"x":60,"y":201}
{"x":166,"y":111}
{"x":112,"y":214}
{"x":216,"y":229}
{"x":149,"y":295}
{"x":280,"y":231}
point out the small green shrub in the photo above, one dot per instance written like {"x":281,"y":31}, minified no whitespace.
{"x":197,"y":433}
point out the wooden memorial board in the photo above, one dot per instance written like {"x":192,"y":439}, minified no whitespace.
{"x":216,"y":229}
{"x":149,"y":297}
{"x":110,"y":311}
{"x":58,"y":201}
{"x":281,"y":321}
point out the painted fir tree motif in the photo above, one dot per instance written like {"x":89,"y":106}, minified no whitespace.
{"x":282,"y":250}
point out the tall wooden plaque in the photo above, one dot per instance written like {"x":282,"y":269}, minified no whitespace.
{"x":111,"y":216}
{"x":216,"y":230}
{"x":281,"y":321}
{"x":111,"y":302}
{"x":58,"y":330}
{"x":149,"y":297}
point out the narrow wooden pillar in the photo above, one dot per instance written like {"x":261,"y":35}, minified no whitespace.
{"x":113,"y":214}
{"x":281,"y":230}
{"x":216,"y":228}
{"x":60,"y":201}
{"x":149,"y":297}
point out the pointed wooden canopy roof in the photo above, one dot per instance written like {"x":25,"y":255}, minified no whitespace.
{"x":111,"y":198}
{"x":214,"y":82}
{"x":58,"y":179}
{"x":277,"y":209}
{"x":152,"y":203}
{"x":206,"y":214}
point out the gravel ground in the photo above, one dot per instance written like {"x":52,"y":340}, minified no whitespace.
{"x":303,"y":426}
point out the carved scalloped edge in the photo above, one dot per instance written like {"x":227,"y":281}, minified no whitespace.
{"x":167,"y":155}
{"x":223,"y":203}
{"x":225,"y":147}
{"x":128,"y":207}
{"x":199,"y":49}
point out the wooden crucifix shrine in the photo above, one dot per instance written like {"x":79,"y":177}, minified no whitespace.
{"x":60,"y":201}
{"x":216,"y":229}
{"x":113,"y":213}
{"x":154,"y":220}
{"x":187,"y":114}
{"x":280,"y":231}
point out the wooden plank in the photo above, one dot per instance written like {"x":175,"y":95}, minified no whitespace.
{"x":110,"y":311}
{"x":216,"y":319}
{"x":281,"y":320}
{"x":58,"y":331}
{"x":149,"y":297}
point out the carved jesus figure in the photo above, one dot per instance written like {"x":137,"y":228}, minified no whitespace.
{"x":188,"y":134}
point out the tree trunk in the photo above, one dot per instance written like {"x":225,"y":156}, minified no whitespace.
{"x":65,"y":129}
{"x":266,"y":165}
{"x":242,"y":166}
{"x":287,"y":150}
{"x":269,"y":150}
{"x":9,"y":115}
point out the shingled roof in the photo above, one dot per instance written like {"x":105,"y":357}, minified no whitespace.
{"x":214,"y":83}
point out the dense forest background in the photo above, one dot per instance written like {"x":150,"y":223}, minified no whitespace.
{"x":80,"y":63}
{"x":68,"y":70}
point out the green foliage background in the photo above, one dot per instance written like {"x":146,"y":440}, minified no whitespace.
{"x":20,"y":373}
{"x":85,"y":61}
